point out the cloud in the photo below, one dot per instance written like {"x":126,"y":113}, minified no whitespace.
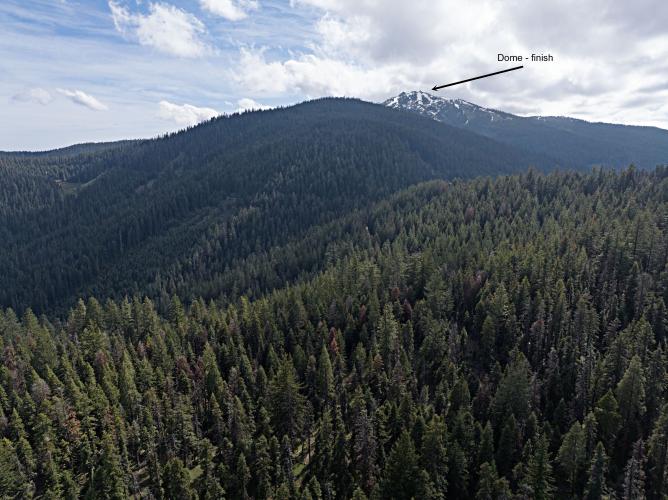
{"x":87,"y":100}
{"x":165,"y":28}
{"x":247,"y":104}
{"x":35,"y":95}
{"x":315,"y":76}
{"x":185,"y":114}
{"x":232,"y":10}
{"x":602,"y":52}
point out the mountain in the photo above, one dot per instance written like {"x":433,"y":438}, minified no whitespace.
{"x":570,"y":142}
{"x":181,"y":214}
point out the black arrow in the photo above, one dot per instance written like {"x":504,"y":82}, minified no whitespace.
{"x":438,"y":87}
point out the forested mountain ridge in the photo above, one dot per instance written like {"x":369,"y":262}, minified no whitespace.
{"x":75,"y":149}
{"x":494,"y":338}
{"x":572,"y":143}
{"x":161,"y":216}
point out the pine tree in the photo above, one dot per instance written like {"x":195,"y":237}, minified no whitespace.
{"x":287,"y":464}
{"x":633,"y":487}
{"x":572,"y":455}
{"x":608,"y":418}
{"x":176,"y":480}
{"x":631,"y":396}
{"x":243,"y":475}
{"x":596,"y":485}
{"x":487,"y":482}
{"x":401,"y":471}
{"x":513,"y":394}
{"x":486,"y":448}
{"x":325,"y":378}
{"x":49,"y":475}
{"x":364,"y":448}
{"x":12,"y":482}
{"x":658,"y":455}
{"x":539,"y":475}
{"x":341,"y":477}
{"x":507,"y":450}
{"x":488,"y":342}
{"x":388,"y":335}
{"x":434,"y":456}
{"x":286,"y":401}
{"x":208,"y":485}
{"x":109,"y":478}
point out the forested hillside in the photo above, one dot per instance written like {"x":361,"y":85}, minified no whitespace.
{"x":493,"y":338}
{"x":181,"y":214}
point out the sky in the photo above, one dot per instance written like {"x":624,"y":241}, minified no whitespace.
{"x":76,"y":71}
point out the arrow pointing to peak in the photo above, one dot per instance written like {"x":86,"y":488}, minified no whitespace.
{"x":438,"y":87}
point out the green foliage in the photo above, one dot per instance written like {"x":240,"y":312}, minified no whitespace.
{"x":597,"y":488}
{"x":572,"y":454}
{"x":361,"y":378}
{"x":176,"y":480}
{"x":12,"y":481}
{"x":108,"y":477}
{"x":539,"y":476}
{"x":286,"y":401}
{"x":401,"y":472}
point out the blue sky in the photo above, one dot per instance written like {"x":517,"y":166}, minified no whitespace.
{"x":93,"y":70}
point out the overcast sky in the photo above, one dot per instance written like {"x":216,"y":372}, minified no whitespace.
{"x":93,"y":70}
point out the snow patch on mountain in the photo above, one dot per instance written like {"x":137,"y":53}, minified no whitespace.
{"x":455,"y":111}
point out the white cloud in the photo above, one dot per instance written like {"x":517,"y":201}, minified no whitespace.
{"x":247,"y":104}
{"x":603,"y":53}
{"x":87,"y":100}
{"x":165,"y":28}
{"x":233,"y":10}
{"x":185,"y":114}
{"x":315,"y":76}
{"x":35,"y":95}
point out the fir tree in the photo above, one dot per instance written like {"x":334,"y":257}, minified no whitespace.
{"x":596,"y":485}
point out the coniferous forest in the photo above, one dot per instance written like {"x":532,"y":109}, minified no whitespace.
{"x":415,"y":337}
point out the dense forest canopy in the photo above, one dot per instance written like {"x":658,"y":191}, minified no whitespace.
{"x":490,"y":338}
{"x":185,"y":213}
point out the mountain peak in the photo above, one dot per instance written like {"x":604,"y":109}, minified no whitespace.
{"x":452,"y":111}
{"x":422,"y":98}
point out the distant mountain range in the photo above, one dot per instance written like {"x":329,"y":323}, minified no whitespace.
{"x":570,"y":142}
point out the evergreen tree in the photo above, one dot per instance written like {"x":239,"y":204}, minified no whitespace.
{"x":608,"y":418}
{"x":434,"y":456}
{"x":243,"y":475}
{"x":507,"y":449}
{"x":539,"y":475}
{"x":325,"y":379}
{"x":596,"y":486}
{"x":12,"y":482}
{"x":109,"y":477}
{"x":633,"y":486}
{"x":513,"y":393}
{"x":286,"y":401}
{"x":208,"y":485}
{"x":176,"y":480}
{"x":572,"y":455}
{"x":400,"y":478}
{"x":658,"y":455}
